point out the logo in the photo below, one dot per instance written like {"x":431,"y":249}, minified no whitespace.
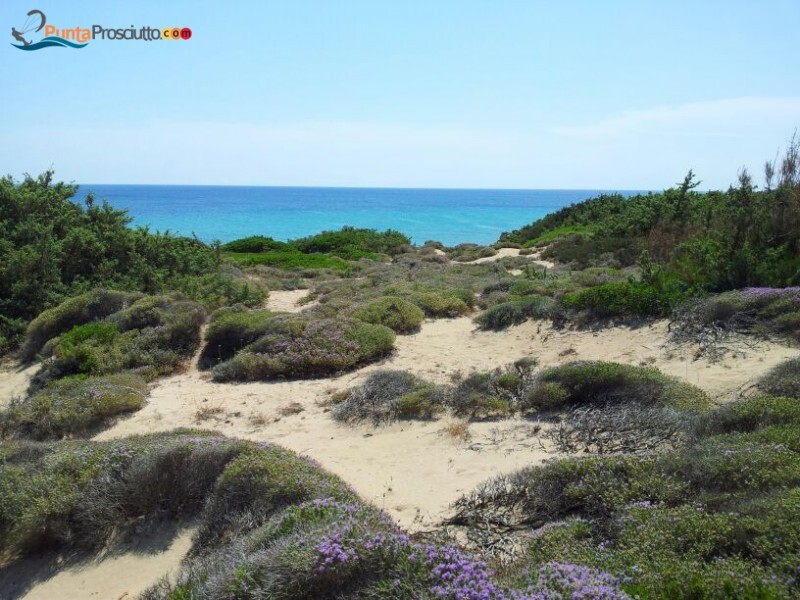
{"x":79,"y":37}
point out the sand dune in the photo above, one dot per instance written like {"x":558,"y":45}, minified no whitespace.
{"x":413,"y":470}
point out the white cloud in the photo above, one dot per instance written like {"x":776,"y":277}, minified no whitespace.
{"x":726,"y":117}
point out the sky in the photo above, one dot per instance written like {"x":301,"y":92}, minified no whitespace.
{"x":410,"y":93}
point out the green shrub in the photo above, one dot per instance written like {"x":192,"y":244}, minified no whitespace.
{"x":253,"y":244}
{"x":230,"y":330}
{"x":296,"y":347}
{"x":91,"y":306}
{"x":73,"y":407}
{"x":155,"y":334}
{"x":440,"y":304}
{"x":598,"y":382}
{"x":470,"y":252}
{"x":783,"y":380}
{"x":749,"y":415}
{"x":261,"y":483}
{"x":386,"y":396}
{"x":290,"y":260}
{"x":348,"y":238}
{"x":397,"y":314}
{"x":622,"y":300}
{"x":504,"y":315}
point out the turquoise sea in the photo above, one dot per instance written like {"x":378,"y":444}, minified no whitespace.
{"x":225,"y":213}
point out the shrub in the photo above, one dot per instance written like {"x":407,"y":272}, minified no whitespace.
{"x":470,"y":252}
{"x":289,"y":260}
{"x":748,"y":415}
{"x":386,"y":396}
{"x":91,"y":306}
{"x":622,"y":300}
{"x":487,"y":395}
{"x":598,"y":382}
{"x":504,"y":315}
{"x":783,"y":380}
{"x":154,"y":334}
{"x":397,"y":314}
{"x":348,"y":238}
{"x":297,"y":347}
{"x":230,"y":330}
{"x":440,"y":304}
{"x":73,"y":407}
{"x":254,"y":243}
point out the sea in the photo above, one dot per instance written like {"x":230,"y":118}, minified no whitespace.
{"x":225,"y":213}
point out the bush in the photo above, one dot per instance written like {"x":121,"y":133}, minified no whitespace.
{"x":748,"y":415}
{"x":386,"y":396}
{"x":230,"y":330}
{"x":783,"y":380}
{"x":254,"y":243}
{"x":622,"y":300}
{"x":348,"y":238}
{"x":440,"y":304}
{"x":73,"y":407}
{"x":289,"y":260}
{"x":470,"y":252}
{"x":154,"y":334}
{"x":493,"y":393}
{"x":598,"y":382}
{"x":397,"y":314}
{"x":763,"y":312}
{"x":91,"y":306}
{"x":296,"y":347}
{"x":504,"y":315}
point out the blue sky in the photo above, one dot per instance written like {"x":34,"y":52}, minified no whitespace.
{"x":582,"y":94}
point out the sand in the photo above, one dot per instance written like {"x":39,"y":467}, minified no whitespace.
{"x":535,"y":257}
{"x":121,"y":573}
{"x":413,"y":470}
{"x":14,"y":381}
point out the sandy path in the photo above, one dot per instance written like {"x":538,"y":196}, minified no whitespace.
{"x":535,"y":257}
{"x":121,"y":574}
{"x":14,"y":381}
{"x":414,"y":470}
{"x":287,"y":301}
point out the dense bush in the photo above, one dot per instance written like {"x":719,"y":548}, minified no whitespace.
{"x":598,"y":382}
{"x":349,"y":238}
{"x":78,"y":493}
{"x":386,"y":396}
{"x":230,"y":330}
{"x":155,"y":334}
{"x":91,"y":306}
{"x":290,"y":259}
{"x":252,"y":244}
{"x":712,"y":241}
{"x":399,"y":315}
{"x":72,"y":407}
{"x":714,"y":519}
{"x":783,"y":380}
{"x":52,"y":248}
{"x":298,"y":347}
{"x":612,"y":300}
{"x":504,"y":315}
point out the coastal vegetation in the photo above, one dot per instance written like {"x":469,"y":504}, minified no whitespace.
{"x":655,"y":491}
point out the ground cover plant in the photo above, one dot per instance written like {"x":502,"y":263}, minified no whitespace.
{"x":230,"y":329}
{"x":152,"y":334}
{"x":713,"y":518}
{"x":629,"y":398}
{"x":270,"y":523}
{"x":299,"y":346}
